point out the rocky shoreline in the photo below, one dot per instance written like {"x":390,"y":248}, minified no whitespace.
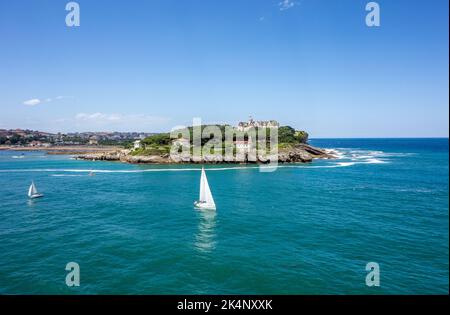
{"x":300,"y":153}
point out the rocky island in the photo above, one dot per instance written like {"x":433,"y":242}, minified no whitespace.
{"x":292,"y":147}
{"x":301,"y":153}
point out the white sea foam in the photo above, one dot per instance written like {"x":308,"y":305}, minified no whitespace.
{"x":336,"y":153}
{"x":398,"y":154}
{"x":66,"y":175}
{"x":345,"y":158}
{"x":351,"y":157}
{"x":87,"y":171}
{"x":346,"y":163}
{"x":374,"y":161}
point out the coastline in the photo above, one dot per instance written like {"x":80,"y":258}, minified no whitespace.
{"x":300,"y":153}
{"x":64,"y":150}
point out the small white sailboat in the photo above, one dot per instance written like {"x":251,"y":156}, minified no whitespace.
{"x":206,"y":200}
{"x":33,"y":193}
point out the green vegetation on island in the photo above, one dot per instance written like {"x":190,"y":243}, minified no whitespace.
{"x":160,"y":144}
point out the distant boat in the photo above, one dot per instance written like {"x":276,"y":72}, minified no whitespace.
{"x":206,"y":200}
{"x":33,"y":193}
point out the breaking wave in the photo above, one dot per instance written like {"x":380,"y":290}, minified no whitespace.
{"x":354,"y":156}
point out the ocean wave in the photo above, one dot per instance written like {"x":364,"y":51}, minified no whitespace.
{"x":398,"y":154}
{"x":345,"y":158}
{"x":416,"y":190}
{"x":374,"y":161}
{"x":56,"y":170}
{"x":358,"y":156}
{"x":336,"y":153}
{"x":346,"y":163}
{"x":66,"y":175}
{"x":100,"y":171}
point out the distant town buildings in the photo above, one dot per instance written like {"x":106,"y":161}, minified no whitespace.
{"x":93,"y":140}
{"x":26,"y":137}
{"x":244,"y":126}
{"x":35,"y":143}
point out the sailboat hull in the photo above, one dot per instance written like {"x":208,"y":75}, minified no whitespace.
{"x":204,"y":205}
{"x":36,"y":196}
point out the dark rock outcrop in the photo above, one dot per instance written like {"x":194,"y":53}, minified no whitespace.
{"x":300,"y":153}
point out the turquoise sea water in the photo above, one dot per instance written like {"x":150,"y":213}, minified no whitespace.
{"x":303,"y":229}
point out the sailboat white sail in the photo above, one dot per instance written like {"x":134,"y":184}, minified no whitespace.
{"x":206,"y":200}
{"x":32,"y":192}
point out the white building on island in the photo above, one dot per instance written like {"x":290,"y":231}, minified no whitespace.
{"x":242,"y":145}
{"x":244,"y":126}
{"x":137,"y":144}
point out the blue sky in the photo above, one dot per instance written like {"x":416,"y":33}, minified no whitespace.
{"x":151,"y":65}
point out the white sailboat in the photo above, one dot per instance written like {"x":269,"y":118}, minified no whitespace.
{"x":206,"y":200}
{"x":33,"y":193}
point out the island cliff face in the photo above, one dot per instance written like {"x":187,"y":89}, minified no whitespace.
{"x":299,"y":153}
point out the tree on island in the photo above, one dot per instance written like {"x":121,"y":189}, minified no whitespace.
{"x":160,"y":143}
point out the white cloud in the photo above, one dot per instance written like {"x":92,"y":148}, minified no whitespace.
{"x":60,"y":97}
{"x":97,"y":117}
{"x":32,"y":102}
{"x":286,"y":4}
{"x":37,"y":101}
{"x":118,"y":119}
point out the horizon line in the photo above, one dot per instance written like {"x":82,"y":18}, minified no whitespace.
{"x":310,"y":138}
